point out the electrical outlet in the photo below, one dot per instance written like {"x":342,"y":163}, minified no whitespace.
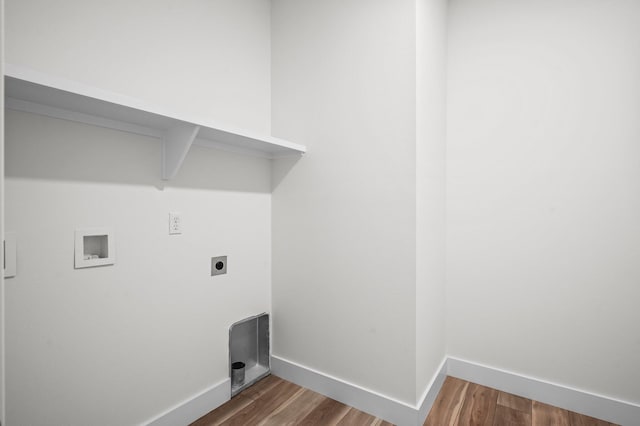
{"x":175,"y":223}
{"x":218,"y":265}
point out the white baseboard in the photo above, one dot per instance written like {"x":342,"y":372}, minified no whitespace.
{"x":601,"y":407}
{"x":192,"y":409}
{"x":403,"y":414}
{"x":376,"y":404}
{"x":431,"y":393}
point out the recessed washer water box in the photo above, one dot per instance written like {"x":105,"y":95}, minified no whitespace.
{"x":249,"y":344}
{"x":94,"y":247}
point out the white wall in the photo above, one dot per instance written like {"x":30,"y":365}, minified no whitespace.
{"x":544,"y":190}
{"x":122,"y":344}
{"x":344,"y":241}
{"x":431,"y":18}
{"x":189,"y":54}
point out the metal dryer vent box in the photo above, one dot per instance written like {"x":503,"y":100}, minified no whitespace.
{"x":249,"y":343}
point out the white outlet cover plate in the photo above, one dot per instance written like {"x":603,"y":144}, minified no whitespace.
{"x":175,"y":223}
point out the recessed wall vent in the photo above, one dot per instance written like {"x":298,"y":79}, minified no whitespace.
{"x":249,"y":344}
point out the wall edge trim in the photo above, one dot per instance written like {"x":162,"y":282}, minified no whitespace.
{"x":401,"y":413}
{"x":374,"y":403}
{"x":431,"y":392}
{"x":191,"y":409}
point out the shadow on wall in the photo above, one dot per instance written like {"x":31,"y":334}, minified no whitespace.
{"x":39,"y":147}
{"x":281,"y":168}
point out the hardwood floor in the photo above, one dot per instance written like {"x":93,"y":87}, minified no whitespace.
{"x":461,"y":403}
{"x":275,"y":402}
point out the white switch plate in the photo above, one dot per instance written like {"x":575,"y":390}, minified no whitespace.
{"x":175,"y":223}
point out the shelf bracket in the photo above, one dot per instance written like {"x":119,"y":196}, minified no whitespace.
{"x":175,"y":145}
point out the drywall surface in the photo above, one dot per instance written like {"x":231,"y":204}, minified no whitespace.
{"x":343,"y":83}
{"x":121,"y":344}
{"x":2,"y":256}
{"x":431,"y":18}
{"x":543,"y":181}
{"x":208,"y":58}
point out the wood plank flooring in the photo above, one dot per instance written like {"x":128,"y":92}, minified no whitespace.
{"x":462,"y":403}
{"x":276,"y":402}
